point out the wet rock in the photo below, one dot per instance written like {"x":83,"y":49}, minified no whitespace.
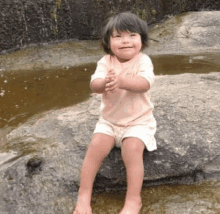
{"x":166,"y":199}
{"x":198,"y":199}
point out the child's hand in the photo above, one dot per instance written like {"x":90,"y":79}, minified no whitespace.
{"x":112,"y":82}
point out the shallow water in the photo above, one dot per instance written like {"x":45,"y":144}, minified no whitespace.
{"x":160,"y":199}
{"x":178,"y":64}
{"x":24,"y":93}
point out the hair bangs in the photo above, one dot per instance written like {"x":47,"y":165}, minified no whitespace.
{"x":125,"y":23}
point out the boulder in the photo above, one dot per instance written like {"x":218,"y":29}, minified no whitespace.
{"x":193,"y":32}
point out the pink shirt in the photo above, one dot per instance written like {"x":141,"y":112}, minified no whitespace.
{"x":125,"y":108}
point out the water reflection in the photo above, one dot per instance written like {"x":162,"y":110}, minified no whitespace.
{"x":178,"y":64}
{"x":25,"y":93}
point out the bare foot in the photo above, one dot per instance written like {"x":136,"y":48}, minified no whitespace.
{"x":131,"y":207}
{"x":80,"y":209}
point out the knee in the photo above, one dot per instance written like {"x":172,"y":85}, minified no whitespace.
{"x":96,"y":152}
{"x":101,"y":145}
{"x":94,"y":144}
{"x":96,"y":148}
{"x":132,"y":145}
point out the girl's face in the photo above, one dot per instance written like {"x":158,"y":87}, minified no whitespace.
{"x":125,"y":45}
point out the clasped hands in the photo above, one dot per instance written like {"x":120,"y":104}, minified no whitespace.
{"x":112,"y":81}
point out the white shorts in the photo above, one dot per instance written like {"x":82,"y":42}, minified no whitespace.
{"x":143,"y":132}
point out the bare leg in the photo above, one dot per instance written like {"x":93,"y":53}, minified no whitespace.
{"x":132,"y":154}
{"x":98,"y":149}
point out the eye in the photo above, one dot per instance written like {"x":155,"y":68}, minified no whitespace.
{"x":117,"y":35}
{"x":133,"y":34}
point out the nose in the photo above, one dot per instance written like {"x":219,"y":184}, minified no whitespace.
{"x":125,"y":39}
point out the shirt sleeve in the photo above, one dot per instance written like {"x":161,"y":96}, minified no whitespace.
{"x":146,"y":69}
{"x":101,"y":70}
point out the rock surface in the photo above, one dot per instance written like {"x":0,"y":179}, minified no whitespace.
{"x":189,"y":33}
{"x":43,"y":176}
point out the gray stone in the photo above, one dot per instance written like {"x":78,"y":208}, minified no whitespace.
{"x":193,"y":32}
{"x":5,"y":157}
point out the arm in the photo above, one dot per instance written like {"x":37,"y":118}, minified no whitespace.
{"x":127,"y":82}
{"x":134,"y":83}
{"x":140,"y":82}
{"x":98,"y":81}
{"x":98,"y":85}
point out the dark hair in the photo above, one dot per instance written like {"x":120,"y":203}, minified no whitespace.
{"x":125,"y":21}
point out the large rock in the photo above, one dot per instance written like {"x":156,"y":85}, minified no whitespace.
{"x":193,"y":32}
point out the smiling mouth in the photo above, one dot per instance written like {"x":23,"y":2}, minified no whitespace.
{"x":125,"y":47}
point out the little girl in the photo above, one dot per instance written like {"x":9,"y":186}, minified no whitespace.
{"x":123,"y":77}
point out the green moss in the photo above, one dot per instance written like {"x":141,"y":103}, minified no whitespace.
{"x":55,"y":30}
{"x":58,"y":4}
{"x":55,"y":16}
